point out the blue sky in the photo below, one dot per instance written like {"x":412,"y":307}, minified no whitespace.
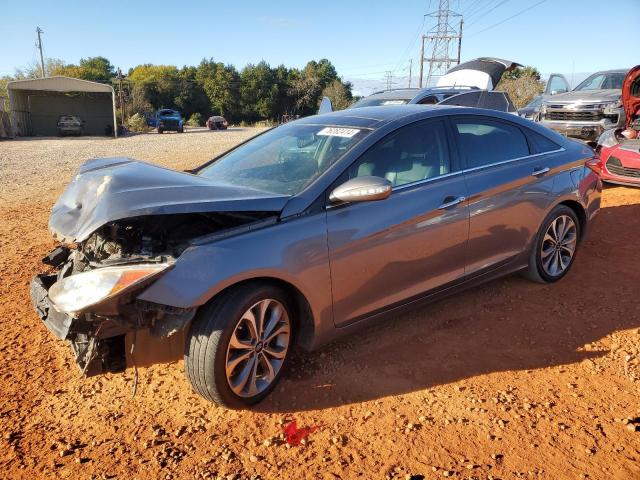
{"x":362,"y":38}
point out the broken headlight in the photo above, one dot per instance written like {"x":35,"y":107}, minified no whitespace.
{"x":77,"y":292}
{"x":608,"y":139}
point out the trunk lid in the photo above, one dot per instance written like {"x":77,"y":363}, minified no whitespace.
{"x":631,"y":94}
{"x":109,"y":189}
{"x":483,"y":73}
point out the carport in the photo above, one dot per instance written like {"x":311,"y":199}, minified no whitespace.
{"x":37,"y":103}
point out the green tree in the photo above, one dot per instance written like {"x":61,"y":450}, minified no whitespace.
{"x":339,"y":93}
{"x":157,"y":84}
{"x":221,"y":86}
{"x":95,"y":69}
{"x":258,"y":92}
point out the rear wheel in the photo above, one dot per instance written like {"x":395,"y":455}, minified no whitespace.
{"x":160,"y":130}
{"x":556,"y":245}
{"x":238,"y":345}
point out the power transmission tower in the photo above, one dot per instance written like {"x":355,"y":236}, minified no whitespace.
{"x":441,"y":37}
{"x":388,"y":76}
{"x":39,"y":47}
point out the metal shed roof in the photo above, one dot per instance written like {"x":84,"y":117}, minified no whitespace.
{"x":59,"y":84}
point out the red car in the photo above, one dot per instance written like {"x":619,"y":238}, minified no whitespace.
{"x":619,"y":159}
{"x":217,"y":123}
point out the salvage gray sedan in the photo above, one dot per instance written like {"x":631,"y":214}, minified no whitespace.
{"x":306,"y":232}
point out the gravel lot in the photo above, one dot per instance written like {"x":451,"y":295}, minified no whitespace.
{"x":508,"y":380}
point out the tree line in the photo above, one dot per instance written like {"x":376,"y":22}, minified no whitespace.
{"x":257,"y":92}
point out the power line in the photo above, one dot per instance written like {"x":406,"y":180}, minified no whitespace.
{"x":497,"y":5}
{"x":509,"y":18}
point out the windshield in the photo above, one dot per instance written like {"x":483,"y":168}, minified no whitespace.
{"x":599,"y":81}
{"x":536,"y":102}
{"x":375,"y":102}
{"x":286,"y":159}
{"x":168,"y":113}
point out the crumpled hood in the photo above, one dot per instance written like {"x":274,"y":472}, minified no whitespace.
{"x":109,"y":189}
{"x":586,"y":96}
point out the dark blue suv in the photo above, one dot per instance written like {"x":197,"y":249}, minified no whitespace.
{"x":169,"y":120}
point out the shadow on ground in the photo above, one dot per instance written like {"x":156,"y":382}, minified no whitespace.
{"x":506,"y":325}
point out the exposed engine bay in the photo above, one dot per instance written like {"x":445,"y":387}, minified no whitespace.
{"x":97,"y":335}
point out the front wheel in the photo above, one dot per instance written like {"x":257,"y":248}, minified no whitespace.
{"x":556,"y":245}
{"x":239,"y":344}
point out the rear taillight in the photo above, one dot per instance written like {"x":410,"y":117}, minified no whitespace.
{"x":594,"y":164}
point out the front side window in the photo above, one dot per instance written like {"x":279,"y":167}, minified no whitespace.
{"x":485,"y":141}
{"x":286,"y":159}
{"x":411,"y":154}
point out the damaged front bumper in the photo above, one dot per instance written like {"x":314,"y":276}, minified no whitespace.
{"x":98,"y":347}
{"x":98,"y":339}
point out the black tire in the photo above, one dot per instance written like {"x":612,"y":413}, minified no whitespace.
{"x":160,"y":130}
{"x":535,"y":271}
{"x":208,"y":339}
{"x":181,"y":130}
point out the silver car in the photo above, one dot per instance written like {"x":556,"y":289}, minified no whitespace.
{"x":307,"y":232}
{"x":588,"y":110}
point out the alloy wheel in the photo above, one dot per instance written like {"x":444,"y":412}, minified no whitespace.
{"x":257,"y":348}
{"x":559,"y":245}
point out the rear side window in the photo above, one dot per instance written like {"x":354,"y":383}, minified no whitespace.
{"x":483,"y":141}
{"x":540,"y":143}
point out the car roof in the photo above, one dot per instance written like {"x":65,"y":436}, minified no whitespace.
{"x":617,"y":70}
{"x":370,"y":117}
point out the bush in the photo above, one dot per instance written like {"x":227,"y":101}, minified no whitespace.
{"x":195,"y":120}
{"x":137,"y":123}
{"x":521,"y":90}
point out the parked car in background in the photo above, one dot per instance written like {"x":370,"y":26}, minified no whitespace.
{"x":169,"y":120}
{"x":619,"y":149}
{"x":151,"y":119}
{"x":466,"y":84}
{"x":589,"y":109}
{"x":307,"y":232}
{"x":70,"y":125}
{"x":532,"y":109}
{"x":217,"y":123}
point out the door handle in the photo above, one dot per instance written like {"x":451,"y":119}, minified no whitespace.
{"x":451,"y":203}
{"x":539,"y":171}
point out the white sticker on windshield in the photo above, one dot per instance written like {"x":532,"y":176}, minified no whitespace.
{"x":338,"y":132}
{"x":393,"y":102}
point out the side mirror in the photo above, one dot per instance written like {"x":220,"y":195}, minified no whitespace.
{"x":361,"y":189}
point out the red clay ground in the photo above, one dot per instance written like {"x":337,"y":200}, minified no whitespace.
{"x":509,"y":380}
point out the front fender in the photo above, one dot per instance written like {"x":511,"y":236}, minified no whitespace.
{"x":293,"y":251}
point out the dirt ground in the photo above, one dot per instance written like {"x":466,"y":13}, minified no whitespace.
{"x":508,"y":380}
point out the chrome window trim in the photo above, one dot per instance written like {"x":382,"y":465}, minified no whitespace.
{"x":426,"y":180}
{"x":503,"y":162}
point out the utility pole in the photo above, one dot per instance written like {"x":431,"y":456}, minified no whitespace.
{"x":410,"y":67}
{"x":39,"y":46}
{"x":440,"y":38}
{"x":460,"y":39}
{"x":120,"y":95}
